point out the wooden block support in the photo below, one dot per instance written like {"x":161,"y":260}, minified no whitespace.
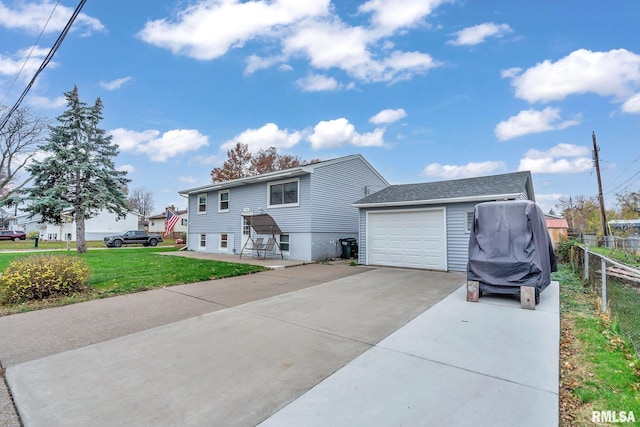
{"x":473,"y":290}
{"x":528,"y":297}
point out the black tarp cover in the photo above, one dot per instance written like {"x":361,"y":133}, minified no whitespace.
{"x":510,"y":247}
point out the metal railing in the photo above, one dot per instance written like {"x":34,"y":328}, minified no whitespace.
{"x":617,"y":284}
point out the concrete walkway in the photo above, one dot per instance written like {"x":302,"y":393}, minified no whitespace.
{"x":457,"y":364}
{"x":370,"y":347}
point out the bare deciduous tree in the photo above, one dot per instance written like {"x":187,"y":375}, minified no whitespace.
{"x":19,"y":142}
{"x":141,"y":201}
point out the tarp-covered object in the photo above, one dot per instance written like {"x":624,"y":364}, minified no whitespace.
{"x":510,"y":247}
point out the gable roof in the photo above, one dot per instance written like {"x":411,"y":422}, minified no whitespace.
{"x":517,"y":185}
{"x":285,"y":173}
{"x":556,"y":222}
{"x":163,"y":215}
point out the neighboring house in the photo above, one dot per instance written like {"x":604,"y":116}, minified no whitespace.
{"x":157,"y":222}
{"x":101,"y":225}
{"x":427,"y":225}
{"x":312,"y":205}
{"x":558,"y":228}
{"x":627,"y":226}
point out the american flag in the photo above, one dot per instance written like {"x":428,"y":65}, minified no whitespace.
{"x":172,"y":220}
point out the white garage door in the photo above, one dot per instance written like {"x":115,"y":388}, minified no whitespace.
{"x":414,"y":239}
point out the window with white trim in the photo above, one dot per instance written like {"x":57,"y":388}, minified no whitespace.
{"x":202,"y":203}
{"x":224,"y":241}
{"x":284,"y":243}
{"x":469,"y":221}
{"x":203,"y":240}
{"x":223,"y":201}
{"x":284,"y":193}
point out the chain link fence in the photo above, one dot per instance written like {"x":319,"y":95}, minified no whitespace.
{"x":618,"y":286}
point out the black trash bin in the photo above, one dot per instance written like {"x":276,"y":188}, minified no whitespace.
{"x":349,"y":247}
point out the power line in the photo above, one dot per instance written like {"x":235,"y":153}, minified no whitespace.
{"x":55,"y":6}
{"x":45,"y":62}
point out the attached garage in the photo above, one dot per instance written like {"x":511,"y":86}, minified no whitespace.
{"x":407,"y":238}
{"x":426,"y":225}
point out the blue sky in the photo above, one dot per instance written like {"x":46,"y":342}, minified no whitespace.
{"x":425,"y":90}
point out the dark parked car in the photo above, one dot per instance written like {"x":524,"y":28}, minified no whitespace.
{"x":12,"y":235}
{"x":133,"y":237}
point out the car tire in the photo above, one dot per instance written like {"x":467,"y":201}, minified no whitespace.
{"x":117,"y":243}
{"x":153,"y":242}
{"x":16,"y":239}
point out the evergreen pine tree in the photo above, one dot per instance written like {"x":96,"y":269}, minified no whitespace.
{"x":77,"y":175}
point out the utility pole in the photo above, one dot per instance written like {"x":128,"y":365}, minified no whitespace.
{"x":596,"y":161}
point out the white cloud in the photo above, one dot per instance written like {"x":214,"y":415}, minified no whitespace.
{"x":532,"y":121}
{"x":334,"y":44}
{"x":336,"y":133}
{"x":114,"y":84}
{"x":560,"y":150}
{"x":11,"y":65}
{"x":563,"y":158}
{"x":255,"y":63}
{"x":388,"y":116}
{"x":159,"y":147}
{"x":510,"y":72}
{"x":127,"y":168}
{"x":463,"y":171}
{"x":33,"y":16}
{"x":394,"y":14}
{"x":317,"y":83}
{"x":479,"y":33}
{"x":549,"y":165}
{"x":235,"y":23}
{"x":295,"y":29}
{"x":267,"y":136}
{"x":47,"y":103}
{"x":632,"y":105}
{"x":614,"y":73}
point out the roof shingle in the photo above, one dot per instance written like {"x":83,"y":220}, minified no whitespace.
{"x":468,"y":188}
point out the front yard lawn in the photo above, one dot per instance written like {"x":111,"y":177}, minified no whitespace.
{"x":126,"y":270}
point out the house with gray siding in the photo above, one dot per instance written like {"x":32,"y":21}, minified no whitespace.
{"x":312,"y":205}
{"x":427,"y":225}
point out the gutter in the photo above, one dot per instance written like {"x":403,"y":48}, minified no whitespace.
{"x":489,"y":197}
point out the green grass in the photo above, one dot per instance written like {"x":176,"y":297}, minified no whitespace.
{"x":29,"y":245}
{"x":126,"y":270}
{"x":628,"y":258}
{"x":599,"y":368}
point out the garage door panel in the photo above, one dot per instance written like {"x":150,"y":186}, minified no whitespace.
{"x":407,"y":239}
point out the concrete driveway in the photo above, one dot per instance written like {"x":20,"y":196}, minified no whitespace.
{"x":314,"y":345}
{"x":230,"y":351}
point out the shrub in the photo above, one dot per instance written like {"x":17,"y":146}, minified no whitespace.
{"x":42,"y":276}
{"x":563,"y":249}
{"x":32,"y":234}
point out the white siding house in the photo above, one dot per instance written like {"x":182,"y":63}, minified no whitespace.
{"x":158,"y":222}
{"x":103,"y":224}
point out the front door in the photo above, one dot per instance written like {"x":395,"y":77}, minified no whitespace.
{"x":246,"y":233}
